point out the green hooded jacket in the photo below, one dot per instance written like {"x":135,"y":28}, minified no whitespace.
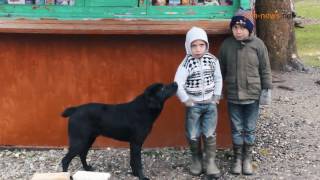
{"x":245,"y":68}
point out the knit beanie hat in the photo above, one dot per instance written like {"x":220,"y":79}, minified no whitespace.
{"x":243,"y":18}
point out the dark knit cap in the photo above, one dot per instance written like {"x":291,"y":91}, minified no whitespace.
{"x":243,"y":18}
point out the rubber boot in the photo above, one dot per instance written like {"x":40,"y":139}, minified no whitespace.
{"x":212,"y":170}
{"x":196,"y":157}
{"x":237,"y":159}
{"x":247,"y":160}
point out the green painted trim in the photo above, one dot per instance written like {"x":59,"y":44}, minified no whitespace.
{"x":126,"y":9}
{"x":192,"y":12}
{"x":80,"y":3}
{"x":245,"y":4}
{"x":64,"y":12}
{"x":116,"y":3}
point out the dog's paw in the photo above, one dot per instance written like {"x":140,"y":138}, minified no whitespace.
{"x":212,"y":177}
{"x":144,"y":178}
{"x":141,"y":176}
{"x":135,"y":173}
{"x":88,"y":168}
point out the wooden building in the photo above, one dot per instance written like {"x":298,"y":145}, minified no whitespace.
{"x":56,"y":54}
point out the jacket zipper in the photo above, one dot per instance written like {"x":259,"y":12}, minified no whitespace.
{"x":202,"y":80}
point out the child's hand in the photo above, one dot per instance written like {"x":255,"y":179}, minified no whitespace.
{"x":215,"y":99}
{"x":189,"y":103}
{"x":265,"y":97}
{"x":215,"y":102}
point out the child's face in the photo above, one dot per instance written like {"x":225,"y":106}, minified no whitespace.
{"x":240,"y":32}
{"x":198,"y":48}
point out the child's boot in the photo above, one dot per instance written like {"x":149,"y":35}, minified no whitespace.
{"x":212,"y":170}
{"x":237,"y":159}
{"x":196,"y":159}
{"x":247,"y":159}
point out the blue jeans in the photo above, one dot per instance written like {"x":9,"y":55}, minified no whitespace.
{"x":201,"y":119}
{"x":243,"y":122}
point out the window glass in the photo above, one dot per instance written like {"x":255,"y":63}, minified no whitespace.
{"x":40,"y":2}
{"x":191,"y":2}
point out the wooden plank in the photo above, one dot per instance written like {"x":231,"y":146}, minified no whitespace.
{"x":111,"y":26}
{"x":43,"y":74}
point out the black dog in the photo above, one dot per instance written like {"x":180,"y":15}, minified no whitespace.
{"x":130,"y":122}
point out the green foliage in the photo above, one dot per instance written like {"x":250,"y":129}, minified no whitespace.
{"x":313,"y":61}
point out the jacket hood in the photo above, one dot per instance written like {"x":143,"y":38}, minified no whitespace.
{"x":195,"y":33}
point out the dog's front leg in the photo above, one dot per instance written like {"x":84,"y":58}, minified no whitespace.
{"x":135,"y":161}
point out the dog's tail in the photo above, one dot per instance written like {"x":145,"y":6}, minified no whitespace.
{"x":69,"y":111}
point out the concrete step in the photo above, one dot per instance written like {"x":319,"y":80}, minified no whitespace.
{"x":87,"y":175}
{"x":51,"y":176}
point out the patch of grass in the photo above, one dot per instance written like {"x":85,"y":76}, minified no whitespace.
{"x":308,"y":38}
{"x":313,"y":61}
{"x":308,"y":8}
{"x":308,"y":45}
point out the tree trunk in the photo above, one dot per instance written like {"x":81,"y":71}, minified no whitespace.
{"x":275,"y":27}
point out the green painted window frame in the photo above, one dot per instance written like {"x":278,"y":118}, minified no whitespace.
{"x":112,"y":3}
{"x":192,"y":12}
{"x":113,"y":10}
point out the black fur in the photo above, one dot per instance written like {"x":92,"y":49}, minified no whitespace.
{"x":130,"y":122}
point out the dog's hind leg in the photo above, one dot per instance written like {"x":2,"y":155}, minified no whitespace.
{"x":67,"y":159}
{"x":135,"y":161}
{"x":84,"y":153}
{"x":72,"y":152}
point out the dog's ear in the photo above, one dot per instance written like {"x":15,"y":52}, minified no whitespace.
{"x":151,"y":96}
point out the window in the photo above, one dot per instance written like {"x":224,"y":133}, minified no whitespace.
{"x":137,"y":9}
{"x":191,"y":2}
{"x":192,"y":9}
{"x":40,"y":2}
{"x":123,"y":3}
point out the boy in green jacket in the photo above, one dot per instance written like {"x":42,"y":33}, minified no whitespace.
{"x":245,"y":68}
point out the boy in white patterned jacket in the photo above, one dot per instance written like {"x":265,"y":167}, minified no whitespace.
{"x":199,"y":88}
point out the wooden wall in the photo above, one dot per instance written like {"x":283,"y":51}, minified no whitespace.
{"x":42,"y":74}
